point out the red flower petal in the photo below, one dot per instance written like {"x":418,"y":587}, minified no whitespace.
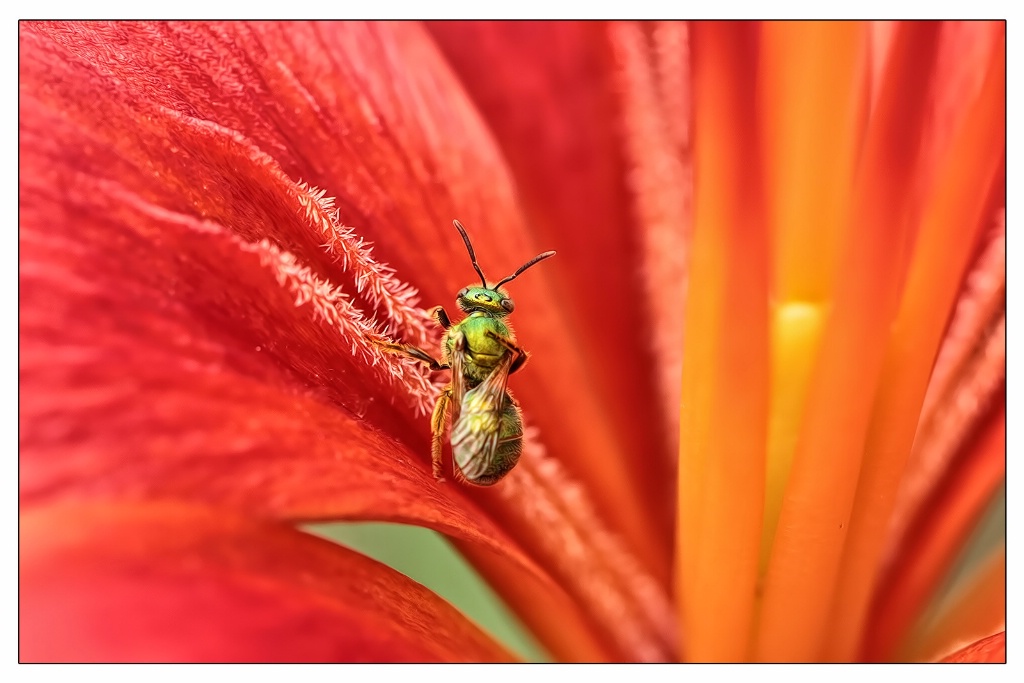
{"x":121,"y":398}
{"x":991,"y":650}
{"x":178,"y":366}
{"x":935,"y":536}
{"x":165,"y":582}
{"x":975,"y":607}
{"x":184,"y":333}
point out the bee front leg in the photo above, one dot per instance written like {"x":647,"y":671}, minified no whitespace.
{"x":438,"y":313}
{"x":437,"y":421}
{"x":412,"y":352}
{"x":521,"y":355}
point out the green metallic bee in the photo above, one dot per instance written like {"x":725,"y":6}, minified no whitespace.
{"x":481,"y":352}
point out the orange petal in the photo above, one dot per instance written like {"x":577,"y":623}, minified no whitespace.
{"x":991,"y":650}
{"x":813,"y":93}
{"x":725,"y":363}
{"x":814,"y":519}
{"x":953,"y":217}
{"x":166,"y":582}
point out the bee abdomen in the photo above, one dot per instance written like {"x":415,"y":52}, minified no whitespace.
{"x":486,"y":443}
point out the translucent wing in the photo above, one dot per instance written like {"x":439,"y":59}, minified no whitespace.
{"x":458,"y":368}
{"x":484,"y":421}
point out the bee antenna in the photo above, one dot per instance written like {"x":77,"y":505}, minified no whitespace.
{"x":532,"y":262}
{"x":472,"y":256}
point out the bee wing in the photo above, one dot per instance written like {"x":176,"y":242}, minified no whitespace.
{"x":458,"y":383}
{"x":476,"y":431}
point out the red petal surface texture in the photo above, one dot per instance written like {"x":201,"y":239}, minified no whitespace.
{"x":165,"y":582}
{"x":185,"y":333}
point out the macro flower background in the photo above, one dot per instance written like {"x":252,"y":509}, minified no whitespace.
{"x":764,"y":406}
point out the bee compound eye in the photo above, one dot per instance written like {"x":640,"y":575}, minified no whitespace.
{"x":508,"y":305}
{"x":462,"y":293}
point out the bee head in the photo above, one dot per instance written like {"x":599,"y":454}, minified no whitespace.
{"x":491,"y":301}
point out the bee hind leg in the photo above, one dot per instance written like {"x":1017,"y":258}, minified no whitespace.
{"x":437,"y":421}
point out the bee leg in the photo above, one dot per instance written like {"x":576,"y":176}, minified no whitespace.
{"x":437,"y":421}
{"x":438,"y":314}
{"x":521,"y":354}
{"x":519,"y":362}
{"x":459,"y":476}
{"x":412,"y":352}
